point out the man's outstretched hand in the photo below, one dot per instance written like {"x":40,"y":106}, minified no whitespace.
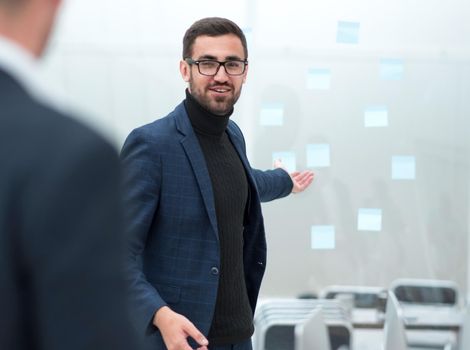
{"x":300,"y":179}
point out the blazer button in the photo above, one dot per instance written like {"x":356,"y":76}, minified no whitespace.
{"x":214,"y":271}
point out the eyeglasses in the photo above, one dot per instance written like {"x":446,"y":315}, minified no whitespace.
{"x":211,"y":67}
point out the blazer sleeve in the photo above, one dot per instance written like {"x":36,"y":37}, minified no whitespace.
{"x":141,"y":185}
{"x":271,"y":184}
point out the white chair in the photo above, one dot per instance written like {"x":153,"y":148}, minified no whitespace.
{"x":394,"y":328}
{"x":275,"y":321}
{"x":465,"y":332}
{"x":312,"y":334}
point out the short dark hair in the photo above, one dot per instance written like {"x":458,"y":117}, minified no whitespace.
{"x":211,"y":26}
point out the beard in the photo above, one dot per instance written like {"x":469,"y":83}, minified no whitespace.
{"x":220,"y":105}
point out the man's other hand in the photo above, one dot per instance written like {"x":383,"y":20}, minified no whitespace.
{"x":175,"y":330}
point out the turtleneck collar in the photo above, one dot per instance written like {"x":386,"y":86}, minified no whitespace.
{"x":203,"y":121}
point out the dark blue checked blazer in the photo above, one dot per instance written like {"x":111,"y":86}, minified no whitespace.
{"x":173,"y":236}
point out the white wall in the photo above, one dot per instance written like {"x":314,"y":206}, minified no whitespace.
{"x":119,"y":61}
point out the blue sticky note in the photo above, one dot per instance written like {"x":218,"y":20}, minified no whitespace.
{"x":348,"y":32}
{"x":248,"y":36}
{"x":403,"y":168}
{"x":376,"y":117}
{"x":391,"y":69}
{"x":272,"y":114}
{"x":287,"y":159}
{"x":369,"y":219}
{"x":319,"y":79}
{"x":323,"y":237}
{"x":318,"y":155}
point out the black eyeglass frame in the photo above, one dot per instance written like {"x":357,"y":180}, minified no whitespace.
{"x":190,"y":61}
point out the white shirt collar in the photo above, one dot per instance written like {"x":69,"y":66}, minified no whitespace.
{"x":23,"y":67}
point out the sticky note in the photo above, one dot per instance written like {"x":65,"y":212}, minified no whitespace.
{"x":318,"y":155}
{"x":272,"y":114}
{"x":376,"y":117}
{"x":348,"y":32}
{"x":287,"y":159}
{"x":391,"y":69}
{"x":323,"y":237}
{"x":403,"y":168}
{"x":369,"y":219}
{"x":248,"y":36}
{"x":319,"y":79}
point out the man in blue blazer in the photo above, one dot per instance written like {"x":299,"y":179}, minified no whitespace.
{"x":197,"y":241}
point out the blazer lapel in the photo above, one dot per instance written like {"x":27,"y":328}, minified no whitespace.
{"x":194,"y":153}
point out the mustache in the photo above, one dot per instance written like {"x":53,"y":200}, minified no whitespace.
{"x":220,"y":85}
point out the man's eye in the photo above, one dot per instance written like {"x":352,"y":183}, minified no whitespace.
{"x":233,"y":64}
{"x":209,"y":64}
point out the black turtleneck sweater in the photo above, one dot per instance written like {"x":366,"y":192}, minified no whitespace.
{"x":233,"y":317}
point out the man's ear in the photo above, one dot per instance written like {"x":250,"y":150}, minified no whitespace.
{"x":245,"y":74}
{"x":185,"y":70}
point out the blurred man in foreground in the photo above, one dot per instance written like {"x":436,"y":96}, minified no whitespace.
{"x":61,"y":283}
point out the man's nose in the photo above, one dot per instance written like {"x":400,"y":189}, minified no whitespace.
{"x":221,"y":75}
